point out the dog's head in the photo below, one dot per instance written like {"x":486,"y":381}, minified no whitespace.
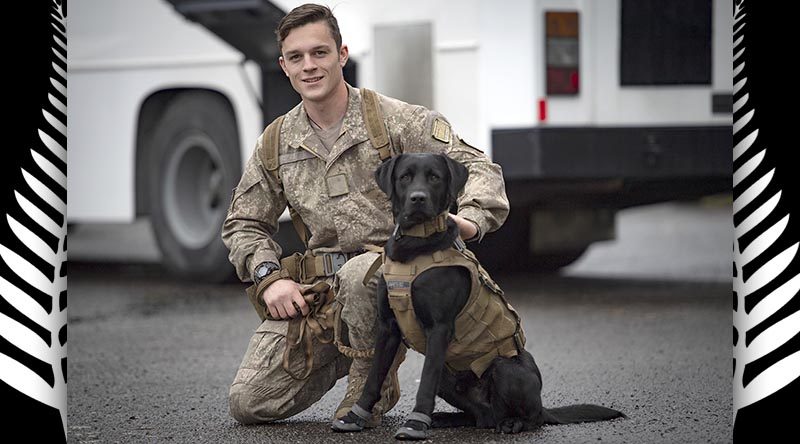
{"x":420,"y":185}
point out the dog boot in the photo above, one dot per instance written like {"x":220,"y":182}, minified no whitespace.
{"x":415,"y":428}
{"x":355,"y":420}
{"x":390,"y":391}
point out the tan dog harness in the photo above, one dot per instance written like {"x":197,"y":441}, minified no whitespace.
{"x":487,"y":326}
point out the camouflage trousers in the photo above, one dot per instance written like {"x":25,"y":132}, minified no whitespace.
{"x":263,"y":391}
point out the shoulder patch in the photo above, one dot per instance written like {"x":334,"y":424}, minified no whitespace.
{"x":441,"y":130}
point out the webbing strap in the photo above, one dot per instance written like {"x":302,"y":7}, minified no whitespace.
{"x":337,"y":339}
{"x":317,"y":322}
{"x":299,"y":226}
{"x":373,"y":118}
{"x":269,"y":155}
{"x":507,"y":349}
{"x":270,"y":144}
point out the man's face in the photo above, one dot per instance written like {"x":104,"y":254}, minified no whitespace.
{"x":310,"y":60}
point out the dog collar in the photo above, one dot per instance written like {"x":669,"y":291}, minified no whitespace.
{"x":425,"y":229}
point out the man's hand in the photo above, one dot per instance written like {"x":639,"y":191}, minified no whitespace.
{"x":280,"y":298}
{"x":467,"y":229}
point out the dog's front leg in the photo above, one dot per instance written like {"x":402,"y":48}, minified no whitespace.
{"x":419,"y":421}
{"x":386,"y":345}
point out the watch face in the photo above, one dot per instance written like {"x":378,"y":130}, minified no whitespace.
{"x":263,"y":270}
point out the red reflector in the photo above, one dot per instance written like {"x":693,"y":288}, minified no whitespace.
{"x":542,"y":110}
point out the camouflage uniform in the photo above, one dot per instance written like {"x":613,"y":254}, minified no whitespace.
{"x":339,"y":201}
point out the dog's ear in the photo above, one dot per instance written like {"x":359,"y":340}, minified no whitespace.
{"x":458,"y":177}
{"x":383,"y":176}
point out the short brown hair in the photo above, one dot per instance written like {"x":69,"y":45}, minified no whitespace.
{"x":305,"y":14}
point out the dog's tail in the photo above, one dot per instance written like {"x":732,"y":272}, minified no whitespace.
{"x":580,"y":413}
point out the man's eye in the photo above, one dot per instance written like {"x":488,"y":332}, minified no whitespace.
{"x":320,"y":53}
{"x":294,"y":57}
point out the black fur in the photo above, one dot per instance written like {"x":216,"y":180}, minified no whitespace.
{"x":507,"y":396}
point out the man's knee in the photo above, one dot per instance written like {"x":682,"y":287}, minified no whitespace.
{"x":250,"y":407}
{"x":359,"y":305}
{"x":351,"y":276}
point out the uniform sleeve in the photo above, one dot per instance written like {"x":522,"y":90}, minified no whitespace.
{"x":252,"y":220}
{"x":483,"y":200}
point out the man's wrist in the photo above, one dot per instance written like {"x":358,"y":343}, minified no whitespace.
{"x":477,"y":235}
{"x":264,"y":269}
{"x":269,"y":280}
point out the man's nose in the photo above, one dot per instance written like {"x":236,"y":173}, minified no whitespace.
{"x":418,"y":197}
{"x":308,"y":63}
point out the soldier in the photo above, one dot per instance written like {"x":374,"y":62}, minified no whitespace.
{"x":319,"y":159}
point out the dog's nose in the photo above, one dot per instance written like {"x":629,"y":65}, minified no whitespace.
{"x":417,"y":197}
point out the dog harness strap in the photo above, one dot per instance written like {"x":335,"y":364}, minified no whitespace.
{"x":373,"y":118}
{"x":507,"y":349}
{"x":376,"y":264}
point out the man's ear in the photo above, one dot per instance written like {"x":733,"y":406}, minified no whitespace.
{"x":344,"y":54}
{"x":458,"y":177}
{"x":383,"y":176}
{"x":282,"y":62}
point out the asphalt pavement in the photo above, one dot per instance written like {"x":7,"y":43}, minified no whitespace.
{"x":642,"y":325}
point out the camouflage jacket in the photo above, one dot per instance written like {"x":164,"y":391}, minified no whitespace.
{"x":336,"y":195}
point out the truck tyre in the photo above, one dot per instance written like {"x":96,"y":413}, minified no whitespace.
{"x":552,"y":262}
{"x":508,"y":249}
{"x":194,"y":163}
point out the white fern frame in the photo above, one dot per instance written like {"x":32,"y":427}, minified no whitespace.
{"x":12,"y":372}
{"x":786,"y":369}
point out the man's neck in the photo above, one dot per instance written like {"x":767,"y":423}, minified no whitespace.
{"x":328,"y":113}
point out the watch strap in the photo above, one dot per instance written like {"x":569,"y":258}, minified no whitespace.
{"x":267,"y":281}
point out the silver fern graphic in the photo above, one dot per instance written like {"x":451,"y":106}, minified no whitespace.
{"x":12,"y":372}
{"x":787,"y":369}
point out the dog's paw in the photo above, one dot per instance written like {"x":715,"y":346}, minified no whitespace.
{"x":348,"y":423}
{"x":412,"y":430}
{"x":510,"y":425}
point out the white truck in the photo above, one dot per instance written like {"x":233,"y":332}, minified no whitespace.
{"x":590,"y":106}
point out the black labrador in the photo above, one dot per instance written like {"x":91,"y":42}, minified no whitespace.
{"x":508,"y":395}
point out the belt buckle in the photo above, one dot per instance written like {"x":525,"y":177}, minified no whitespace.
{"x":332,"y":262}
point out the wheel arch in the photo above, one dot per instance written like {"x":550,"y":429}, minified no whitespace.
{"x":150,"y":111}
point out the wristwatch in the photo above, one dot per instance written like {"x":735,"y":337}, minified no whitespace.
{"x":263,"y":270}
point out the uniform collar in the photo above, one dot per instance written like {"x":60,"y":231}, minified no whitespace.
{"x":353,"y":128}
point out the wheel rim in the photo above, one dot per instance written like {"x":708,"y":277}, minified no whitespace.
{"x":194,"y":191}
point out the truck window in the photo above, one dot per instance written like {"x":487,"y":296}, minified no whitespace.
{"x":665,"y":43}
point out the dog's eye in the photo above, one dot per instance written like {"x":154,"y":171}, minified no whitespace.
{"x":433,"y":178}
{"x":405,"y":177}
